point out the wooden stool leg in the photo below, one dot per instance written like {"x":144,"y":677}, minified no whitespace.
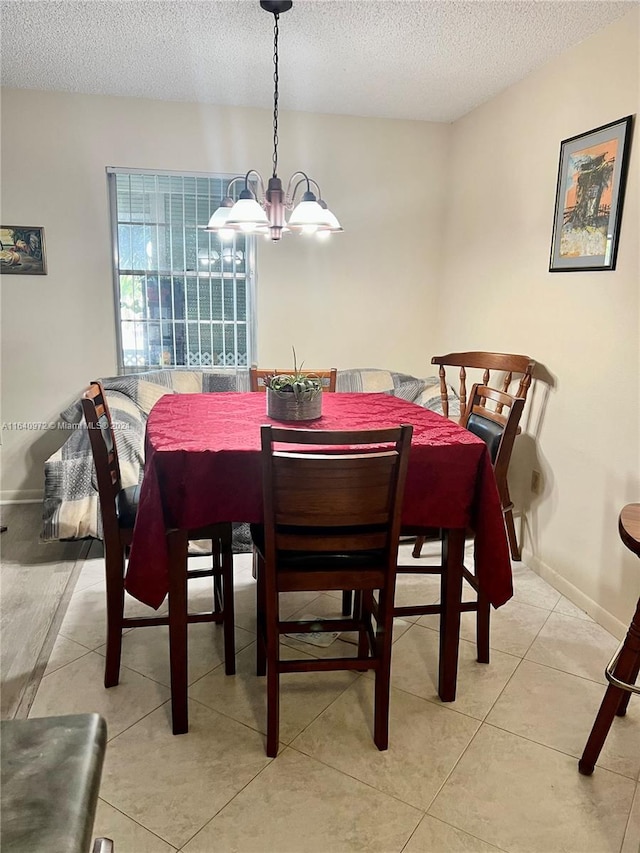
{"x":261,"y":644}
{"x":347,"y":598}
{"x":228,"y":608}
{"x":451,"y":598}
{"x":417,"y":548}
{"x":624,"y":702}
{"x":624,"y":670}
{"x":511,"y":534}
{"x":114,"y":564}
{"x":177,"y":541}
{"x":384,"y":635}
{"x":483,"y":620}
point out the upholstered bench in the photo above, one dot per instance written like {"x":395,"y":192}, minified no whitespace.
{"x":51,"y":768}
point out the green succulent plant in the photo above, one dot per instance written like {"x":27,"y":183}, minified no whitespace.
{"x":305,"y":386}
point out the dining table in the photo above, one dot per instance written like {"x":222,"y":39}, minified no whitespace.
{"x":203,"y":466}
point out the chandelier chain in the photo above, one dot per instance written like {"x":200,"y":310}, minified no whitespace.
{"x":275,"y":94}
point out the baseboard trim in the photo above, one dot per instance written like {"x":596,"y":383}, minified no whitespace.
{"x":23,"y":496}
{"x":575,"y":595}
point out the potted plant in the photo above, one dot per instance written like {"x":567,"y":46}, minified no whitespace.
{"x":295,"y":396}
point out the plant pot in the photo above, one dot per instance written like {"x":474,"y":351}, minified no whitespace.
{"x":283,"y":406}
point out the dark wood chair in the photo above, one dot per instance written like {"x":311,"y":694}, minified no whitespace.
{"x":257,"y":377}
{"x":507,"y":365}
{"x":118,"y":507}
{"x":497,"y":425}
{"x":331,"y":521}
{"x":623,"y":668}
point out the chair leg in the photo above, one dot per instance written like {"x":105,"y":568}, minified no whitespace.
{"x":625,"y":670}
{"x":507,"y":510}
{"x":451,"y":597}
{"x":483,"y":619}
{"x":114,"y":562}
{"x":178,"y":654}
{"x":261,"y":647}
{"x":384,"y":636}
{"x":228,"y":607}
{"x":273,"y":660}
{"x":624,"y":702}
{"x":362,"y":611}
{"x":347,"y":599}
{"x":417,"y":548}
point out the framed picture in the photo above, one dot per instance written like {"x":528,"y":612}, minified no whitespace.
{"x":22,"y":250}
{"x":589,"y":196}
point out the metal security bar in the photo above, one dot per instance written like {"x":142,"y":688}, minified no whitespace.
{"x":184,"y":297}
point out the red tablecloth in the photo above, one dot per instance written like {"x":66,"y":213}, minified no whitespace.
{"x":203,"y":467}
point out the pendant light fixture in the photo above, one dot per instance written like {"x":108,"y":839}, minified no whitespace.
{"x":265,"y":214}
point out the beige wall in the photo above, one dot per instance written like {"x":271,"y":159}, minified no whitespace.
{"x":583,"y":434}
{"x":363,"y":299}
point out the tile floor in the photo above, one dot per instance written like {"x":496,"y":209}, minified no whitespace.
{"x":496,"y":770}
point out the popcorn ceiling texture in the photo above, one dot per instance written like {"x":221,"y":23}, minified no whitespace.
{"x":432,"y":60}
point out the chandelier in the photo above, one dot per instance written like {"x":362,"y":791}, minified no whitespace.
{"x":265,"y":214}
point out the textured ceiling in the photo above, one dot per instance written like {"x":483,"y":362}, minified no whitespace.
{"x":433,"y":60}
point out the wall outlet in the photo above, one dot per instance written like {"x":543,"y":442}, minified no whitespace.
{"x":536,"y":482}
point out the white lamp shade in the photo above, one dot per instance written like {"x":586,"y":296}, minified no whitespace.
{"x":218,"y":219}
{"x":331,"y":221}
{"x":307,"y":216}
{"x":247,"y":215}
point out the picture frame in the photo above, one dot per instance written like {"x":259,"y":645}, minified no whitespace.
{"x":22,"y":250}
{"x":592,"y":176}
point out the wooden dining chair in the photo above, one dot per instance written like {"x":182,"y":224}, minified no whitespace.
{"x":331,"y":521}
{"x":508,"y":366}
{"x":118,"y":507}
{"x":623,"y":668}
{"x":257,"y":377}
{"x":497,"y":425}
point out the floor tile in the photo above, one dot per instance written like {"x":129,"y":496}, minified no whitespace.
{"x":85,"y":619}
{"x":303,"y":695}
{"x":573,"y":645}
{"x":513,"y":627}
{"x":174,"y":784}
{"x":568,"y":608}
{"x":530,"y":588}
{"x":92,"y":573}
{"x":558,"y":709}
{"x":146,"y":650}
{"x":631,"y":843}
{"x":298,"y":804}
{"x":63,"y":652}
{"x":414,"y":668}
{"x":434,"y":836}
{"x":127,"y":835}
{"x":78,"y":688}
{"x":528,"y":798}
{"x":425,"y":741}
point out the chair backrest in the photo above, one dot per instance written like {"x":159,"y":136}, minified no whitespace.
{"x":340,"y":492}
{"x":257,"y":377}
{"x":105,"y":453}
{"x":496,"y":425}
{"x":505,"y":363}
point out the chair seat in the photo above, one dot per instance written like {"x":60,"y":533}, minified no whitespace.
{"x":127,"y":501}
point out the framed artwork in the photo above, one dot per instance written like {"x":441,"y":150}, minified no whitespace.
{"x":22,"y":250}
{"x":589,"y":195}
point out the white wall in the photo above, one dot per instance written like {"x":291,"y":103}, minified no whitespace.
{"x":363,"y":299}
{"x":583,"y":434}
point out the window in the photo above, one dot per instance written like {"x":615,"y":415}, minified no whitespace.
{"x":184,"y":298}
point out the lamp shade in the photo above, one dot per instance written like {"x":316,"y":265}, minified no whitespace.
{"x":307,"y":216}
{"x":247,"y":215}
{"x":218,"y":219}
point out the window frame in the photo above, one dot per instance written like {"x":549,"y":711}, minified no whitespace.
{"x":250,"y":275}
